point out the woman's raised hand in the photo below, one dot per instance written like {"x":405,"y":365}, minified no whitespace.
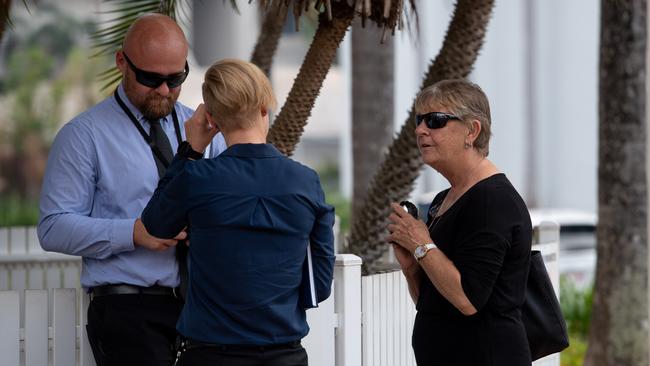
{"x":407,"y":231}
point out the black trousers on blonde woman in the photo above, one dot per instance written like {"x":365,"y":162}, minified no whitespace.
{"x":292,"y":354}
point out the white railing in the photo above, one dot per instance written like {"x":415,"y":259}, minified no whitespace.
{"x":367,"y":321}
{"x":388,"y":316}
{"x":25,"y":265}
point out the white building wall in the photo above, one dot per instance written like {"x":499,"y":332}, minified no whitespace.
{"x":500,"y":71}
{"x":219,"y":31}
{"x":568,"y":85}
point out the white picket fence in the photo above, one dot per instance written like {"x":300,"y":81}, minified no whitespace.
{"x":368,"y":321}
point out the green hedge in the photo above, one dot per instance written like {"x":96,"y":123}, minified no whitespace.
{"x":18,"y":212}
{"x":576,"y":307}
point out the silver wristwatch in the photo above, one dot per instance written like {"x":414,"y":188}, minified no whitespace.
{"x":422,"y":250}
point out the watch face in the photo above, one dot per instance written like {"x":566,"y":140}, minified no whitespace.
{"x":420,"y":251}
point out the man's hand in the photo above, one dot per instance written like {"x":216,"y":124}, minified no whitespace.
{"x":142,"y":238}
{"x":198,"y":130}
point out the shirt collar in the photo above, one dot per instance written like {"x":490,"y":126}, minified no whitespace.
{"x":136,"y":112}
{"x":252,"y":151}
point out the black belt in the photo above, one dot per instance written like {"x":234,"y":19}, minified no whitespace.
{"x":124,"y":289}
{"x":186,"y":344}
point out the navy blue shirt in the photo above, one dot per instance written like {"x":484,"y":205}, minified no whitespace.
{"x":252,"y":212}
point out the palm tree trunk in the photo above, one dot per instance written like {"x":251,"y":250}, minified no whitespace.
{"x":373,"y":92}
{"x":618,"y":333}
{"x":401,"y":166}
{"x":290,"y":122}
{"x":267,"y":41}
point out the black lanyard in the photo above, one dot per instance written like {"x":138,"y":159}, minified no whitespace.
{"x":144,"y":134}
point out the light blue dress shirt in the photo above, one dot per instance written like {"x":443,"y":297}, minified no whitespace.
{"x":100,"y":175}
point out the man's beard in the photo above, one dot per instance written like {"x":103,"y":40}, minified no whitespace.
{"x":155,"y":106}
{"x":152,"y":105}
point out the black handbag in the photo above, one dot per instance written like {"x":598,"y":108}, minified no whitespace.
{"x":541,"y":312}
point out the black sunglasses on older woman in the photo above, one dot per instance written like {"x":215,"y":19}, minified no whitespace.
{"x":435,"y":120}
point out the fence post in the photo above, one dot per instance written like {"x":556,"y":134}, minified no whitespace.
{"x":36,"y":329}
{"x":65,"y":337}
{"x":347,"y":295}
{"x":10,"y":325}
{"x":546,"y":239}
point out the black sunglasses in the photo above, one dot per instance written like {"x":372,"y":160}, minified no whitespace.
{"x":154,"y":80}
{"x":434,"y":120}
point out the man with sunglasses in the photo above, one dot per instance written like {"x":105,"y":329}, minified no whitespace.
{"x":103,"y":167}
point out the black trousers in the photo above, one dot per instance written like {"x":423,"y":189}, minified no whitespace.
{"x":293,"y":355}
{"x":133,"y":330}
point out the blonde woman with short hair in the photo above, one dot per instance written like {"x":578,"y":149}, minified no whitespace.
{"x":252,"y":214}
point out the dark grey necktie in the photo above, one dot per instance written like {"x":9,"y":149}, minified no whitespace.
{"x":159,"y":139}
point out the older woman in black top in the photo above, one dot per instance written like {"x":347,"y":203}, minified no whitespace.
{"x":467,"y":266}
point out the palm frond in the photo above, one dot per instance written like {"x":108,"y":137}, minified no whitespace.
{"x":102,"y":74}
{"x":108,"y":75}
{"x":233,"y":3}
{"x":108,"y":50}
{"x":140,"y":7}
{"x":112,"y":84}
{"x":5,"y":18}
{"x":168,"y":7}
{"x":5,"y":7}
{"x":389,"y":14}
{"x":112,"y":30}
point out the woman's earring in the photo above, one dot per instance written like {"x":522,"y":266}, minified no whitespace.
{"x":467,"y":145}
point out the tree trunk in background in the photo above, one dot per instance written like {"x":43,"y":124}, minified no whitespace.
{"x":394,"y":179}
{"x":290,"y":122}
{"x":618,"y":333}
{"x":372,"y":104}
{"x":269,"y":37}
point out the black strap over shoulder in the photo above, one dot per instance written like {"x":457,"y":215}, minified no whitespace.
{"x":144,"y":134}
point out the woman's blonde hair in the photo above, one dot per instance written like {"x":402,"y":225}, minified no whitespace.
{"x":234,"y":91}
{"x":463,"y":99}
